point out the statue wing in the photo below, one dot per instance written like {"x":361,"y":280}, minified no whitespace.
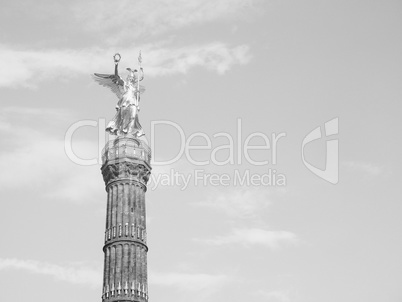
{"x":114,"y":82}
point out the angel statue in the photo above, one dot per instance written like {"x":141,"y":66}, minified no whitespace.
{"x":125,"y":120}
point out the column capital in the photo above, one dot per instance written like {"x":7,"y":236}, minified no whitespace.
{"x":126,"y":158}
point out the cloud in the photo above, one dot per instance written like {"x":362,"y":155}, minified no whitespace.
{"x":254,"y":236}
{"x":195,"y":282}
{"x":245,"y":209}
{"x":274,"y":296}
{"x":71,"y":274}
{"x":123,"y":20}
{"x":79,"y":274}
{"x":36,"y":160}
{"x":50,"y":114}
{"x":240,"y":203}
{"x":369,"y":169}
{"x":42,"y":167}
{"x":28,"y":68}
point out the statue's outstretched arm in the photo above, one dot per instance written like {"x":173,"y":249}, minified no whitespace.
{"x":116,"y":59}
{"x":116,"y":68}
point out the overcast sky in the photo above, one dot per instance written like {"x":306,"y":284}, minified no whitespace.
{"x":233,"y":67}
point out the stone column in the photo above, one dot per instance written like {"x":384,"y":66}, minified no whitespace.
{"x":125,"y":169}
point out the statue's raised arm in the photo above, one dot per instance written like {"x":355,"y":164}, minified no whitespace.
{"x":112,"y":81}
{"x":116,"y":58}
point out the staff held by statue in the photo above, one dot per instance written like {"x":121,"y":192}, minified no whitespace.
{"x":138,"y":81}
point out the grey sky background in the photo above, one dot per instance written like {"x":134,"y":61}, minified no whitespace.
{"x":279,"y":67}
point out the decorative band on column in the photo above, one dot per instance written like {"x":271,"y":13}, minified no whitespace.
{"x":125,"y":170}
{"x":128,"y":240}
{"x":132,"y":232}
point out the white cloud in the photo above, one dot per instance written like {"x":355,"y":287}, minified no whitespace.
{"x":254,"y":236}
{"x":245,"y":209}
{"x":240,"y":203}
{"x":216,"y":56}
{"x":27,"y":68}
{"x":124,"y":21}
{"x":274,"y":296}
{"x":369,"y":169}
{"x":49,"y":114}
{"x":72,"y":274}
{"x":36,"y":160}
{"x":42,"y":167}
{"x":194,"y":282}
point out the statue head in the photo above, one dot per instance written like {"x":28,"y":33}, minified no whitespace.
{"x":132,"y":76}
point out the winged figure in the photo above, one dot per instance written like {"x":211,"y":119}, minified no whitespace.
{"x":128,"y":92}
